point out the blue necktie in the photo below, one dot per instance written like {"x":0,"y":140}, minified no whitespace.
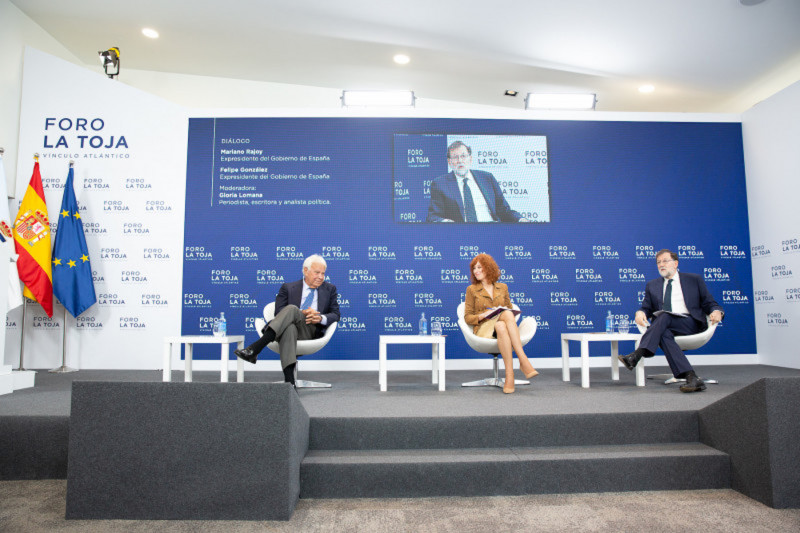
{"x":668,"y":297}
{"x":309,"y":299}
{"x":469,"y":205}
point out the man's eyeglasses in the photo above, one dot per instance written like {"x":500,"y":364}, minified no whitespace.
{"x":664,"y":261}
{"x":462,"y":157}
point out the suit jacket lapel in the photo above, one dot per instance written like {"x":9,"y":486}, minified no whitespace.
{"x":455,"y":192}
{"x":487,"y":191}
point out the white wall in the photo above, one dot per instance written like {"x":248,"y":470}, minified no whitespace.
{"x":771,"y":131}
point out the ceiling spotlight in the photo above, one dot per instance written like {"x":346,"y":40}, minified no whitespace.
{"x":110,"y":58}
{"x":582,"y":102}
{"x":401,"y":59}
{"x":150,"y":32}
{"x":511,"y":92}
{"x":646,"y":89}
{"x":377,"y":98}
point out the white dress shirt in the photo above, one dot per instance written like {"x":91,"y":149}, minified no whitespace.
{"x":481,"y":207}
{"x":678,"y":304}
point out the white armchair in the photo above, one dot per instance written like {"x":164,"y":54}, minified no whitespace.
{"x":304,"y":347}
{"x":686,"y":342}
{"x":527,"y":329}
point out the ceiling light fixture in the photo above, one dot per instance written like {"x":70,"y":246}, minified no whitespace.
{"x":378,"y":98}
{"x":584,"y":102}
{"x":511,"y":92}
{"x":150,"y":32}
{"x":646,"y":89}
{"x":401,"y":59}
{"x":110,"y":58}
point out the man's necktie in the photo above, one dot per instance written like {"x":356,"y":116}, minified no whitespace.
{"x":668,"y":297}
{"x":309,"y":299}
{"x":469,"y":204}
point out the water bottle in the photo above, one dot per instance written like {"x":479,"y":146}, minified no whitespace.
{"x":423,"y":325}
{"x":436,"y":329}
{"x":220,"y":326}
{"x":609,"y":323}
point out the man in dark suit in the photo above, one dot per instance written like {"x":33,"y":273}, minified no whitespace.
{"x":303,"y":310}
{"x":466,"y":195}
{"x":677,"y":303}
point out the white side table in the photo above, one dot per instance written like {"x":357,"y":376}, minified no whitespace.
{"x":585,"y":338}
{"x":189,"y":341}
{"x":437,"y":355}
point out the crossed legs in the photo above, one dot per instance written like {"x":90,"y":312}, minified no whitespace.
{"x":508,"y":341}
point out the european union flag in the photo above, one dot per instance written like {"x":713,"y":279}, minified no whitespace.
{"x":72,"y":272}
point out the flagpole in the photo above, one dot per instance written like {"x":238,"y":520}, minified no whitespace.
{"x":63,"y":369}
{"x":22,"y":334}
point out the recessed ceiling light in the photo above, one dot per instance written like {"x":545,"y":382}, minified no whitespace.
{"x":401,"y":59}
{"x":511,"y":92}
{"x":150,"y":32}
{"x":646,"y":88}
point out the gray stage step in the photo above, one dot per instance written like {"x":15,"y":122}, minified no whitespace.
{"x":512,"y":470}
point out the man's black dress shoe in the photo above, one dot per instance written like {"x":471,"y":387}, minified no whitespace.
{"x":693,"y":384}
{"x":631,"y":360}
{"x":247,"y":354}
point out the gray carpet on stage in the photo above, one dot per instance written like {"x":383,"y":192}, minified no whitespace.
{"x":209,"y":451}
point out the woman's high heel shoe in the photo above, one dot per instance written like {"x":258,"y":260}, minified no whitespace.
{"x":508,"y":386}
{"x":530,"y":372}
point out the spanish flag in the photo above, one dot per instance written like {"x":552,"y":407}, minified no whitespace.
{"x":32,"y":242}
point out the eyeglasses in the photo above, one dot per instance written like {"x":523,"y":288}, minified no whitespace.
{"x":462,"y":157}
{"x":664,"y":261}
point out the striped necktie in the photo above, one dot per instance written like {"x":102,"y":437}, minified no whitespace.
{"x":309,"y":299}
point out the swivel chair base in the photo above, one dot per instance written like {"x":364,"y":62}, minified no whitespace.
{"x":305,"y":384}
{"x":670,"y":379}
{"x":496,"y":381}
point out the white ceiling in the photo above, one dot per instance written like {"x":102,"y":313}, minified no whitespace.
{"x":701,"y":55}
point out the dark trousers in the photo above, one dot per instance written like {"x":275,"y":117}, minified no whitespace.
{"x":661,"y":333}
{"x":289,"y":326}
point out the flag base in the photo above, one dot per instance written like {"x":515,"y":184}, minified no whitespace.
{"x":63,"y":369}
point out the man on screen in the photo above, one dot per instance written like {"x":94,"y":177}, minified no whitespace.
{"x":303,"y":310}
{"x":677,"y":303}
{"x":466,"y":195}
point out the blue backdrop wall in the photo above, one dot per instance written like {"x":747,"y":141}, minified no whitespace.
{"x":264,"y":193}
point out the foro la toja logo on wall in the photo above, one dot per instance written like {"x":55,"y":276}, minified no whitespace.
{"x":380,"y":299}
{"x":138,"y":184}
{"x":688,"y":251}
{"x":335,"y":253}
{"x":131,"y":322}
{"x":715,"y":274}
{"x":288,"y":253}
{"x":380,"y":253}
{"x":520,"y":298}
{"x":780,"y":272}
{"x":541,"y":322}
{"x":630,"y":275}
{"x":157,"y":206}
{"x":731,"y":251}
{"x":516,"y":252}
{"x":763,"y":297}
{"x":606,"y":298}
{"x":407,"y":275}
{"x":453,"y":275}
{"x":95,"y":184}
{"x":361,"y":276}
{"x":98,"y":277}
{"x":197,"y":253}
{"x":221,"y":276}
{"x":777,"y":320}
{"x":135,"y":229}
{"x":94,"y":228}
{"x":351,"y":323}
{"x":115,"y":206}
{"x":81,"y":133}
{"x":734,"y":297}
{"x":343,"y":302}
{"x":506,"y":277}
{"x":468,"y":252}
{"x":396,"y":324}
{"x":604,"y":252}
{"x":401,"y":191}
{"x":110,"y":299}
{"x":264,"y":277}
{"x":409,"y":216}
{"x":578,"y":322}
{"x":640,"y":296}
{"x":44,"y":323}
{"x":793,"y":294}
{"x":196,"y":299}
{"x":243,"y":253}
{"x":155,"y":254}
{"x":153,"y":300}
{"x":790,"y":246}
{"x":558,"y":298}
{"x":423,"y":253}
{"x":241,"y":300}
{"x":132,"y":277}
{"x":448,"y":324}
{"x":645,"y":251}
{"x":426,"y":299}
{"x":587,"y":275}
{"x":88,"y":322}
{"x":205,"y":324}
{"x":543,"y":275}
{"x":760,"y":250}
{"x":560,"y":252}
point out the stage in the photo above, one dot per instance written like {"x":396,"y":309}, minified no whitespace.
{"x":414,"y":441}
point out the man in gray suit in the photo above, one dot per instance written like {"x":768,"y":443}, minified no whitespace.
{"x":303,"y":310}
